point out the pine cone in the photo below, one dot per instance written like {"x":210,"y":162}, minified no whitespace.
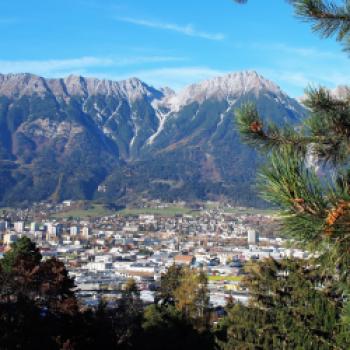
{"x":255,"y":127}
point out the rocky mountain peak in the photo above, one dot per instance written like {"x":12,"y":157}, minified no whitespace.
{"x":134,"y":88}
{"x":12,"y":85}
{"x":127,"y":127}
{"x":167,"y":91}
{"x":229,"y":86}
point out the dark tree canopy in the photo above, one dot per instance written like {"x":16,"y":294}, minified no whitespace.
{"x":24,"y":248}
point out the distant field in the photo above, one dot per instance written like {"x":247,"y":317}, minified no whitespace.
{"x":251,"y":211}
{"x":96,"y":210}
{"x":225,"y":278}
{"x":3,"y":209}
{"x":169,"y":211}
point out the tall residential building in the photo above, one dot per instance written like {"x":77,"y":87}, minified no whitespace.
{"x":34,"y":227}
{"x":253,"y":237}
{"x":74,"y":230}
{"x":54,"y":230}
{"x":86,"y":232}
{"x":19,"y":226}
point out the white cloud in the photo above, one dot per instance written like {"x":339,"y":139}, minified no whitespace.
{"x":294,"y":78}
{"x":56,"y":67}
{"x":305,"y":52}
{"x":188,"y":29}
{"x":175,"y":77}
{"x":293,"y":81}
{"x":50,"y":66}
{"x":295,"y":68}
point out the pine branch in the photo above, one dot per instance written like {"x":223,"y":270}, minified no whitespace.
{"x":327,"y":129}
{"x":329,"y":124}
{"x":269,"y":137}
{"x":328,"y":17}
{"x":287,"y":182}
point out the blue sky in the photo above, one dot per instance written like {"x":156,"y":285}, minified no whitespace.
{"x":167,"y":43}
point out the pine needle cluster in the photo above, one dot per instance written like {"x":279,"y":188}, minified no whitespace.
{"x":308,"y":174}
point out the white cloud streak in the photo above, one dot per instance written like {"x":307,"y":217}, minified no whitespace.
{"x":300,"y":52}
{"x":175,"y":77}
{"x":55,"y":67}
{"x":188,"y":29}
{"x":295,"y":68}
{"x":294,"y":80}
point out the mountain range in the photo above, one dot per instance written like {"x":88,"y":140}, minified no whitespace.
{"x":120,"y":141}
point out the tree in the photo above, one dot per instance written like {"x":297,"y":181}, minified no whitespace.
{"x":24,"y":248}
{"x":169,"y":282}
{"x":327,"y":17}
{"x":45,"y":283}
{"x":129,"y":314}
{"x":192,"y":297}
{"x":130,"y":300}
{"x":187,"y":290}
{"x":292,"y":306}
{"x":37,"y":302}
{"x":23,"y":327}
{"x":314,"y":197}
{"x":55,"y":287}
{"x":308,"y":176}
{"x":165,"y":327}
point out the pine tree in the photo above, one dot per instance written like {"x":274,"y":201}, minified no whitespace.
{"x":288,"y":309}
{"x":314,"y":198}
{"x":24,"y":248}
{"x":129,"y":314}
{"x":307,"y":176}
{"x":170,"y":281}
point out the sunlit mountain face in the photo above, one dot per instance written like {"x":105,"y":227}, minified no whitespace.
{"x":62,"y":138}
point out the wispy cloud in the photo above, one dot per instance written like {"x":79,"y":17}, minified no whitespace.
{"x":55,"y":67}
{"x":49,"y":66}
{"x":175,"y":77}
{"x":299,"y":52}
{"x":295,"y":68}
{"x":188,"y":29}
{"x":294,"y":80}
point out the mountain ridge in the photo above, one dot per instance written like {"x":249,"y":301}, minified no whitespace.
{"x":85,"y":132}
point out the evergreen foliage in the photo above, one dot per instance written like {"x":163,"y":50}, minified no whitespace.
{"x":187,"y":291}
{"x":292,"y":306}
{"x":39,"y":310}
{"x":304,"y":305}
{"x":24,"y":248}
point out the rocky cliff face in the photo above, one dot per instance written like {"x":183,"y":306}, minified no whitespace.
{"x":61,"y":138}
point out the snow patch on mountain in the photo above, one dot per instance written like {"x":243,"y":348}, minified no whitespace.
{"x":162,"y":118}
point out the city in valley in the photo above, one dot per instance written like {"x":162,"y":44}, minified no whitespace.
{"x":103,"y":248}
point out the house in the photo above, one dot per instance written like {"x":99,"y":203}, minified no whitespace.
{"x":186,"y":260}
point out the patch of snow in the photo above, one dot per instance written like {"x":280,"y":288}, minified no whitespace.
{"x":230,"y":102}
{"x":162,"y":118}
